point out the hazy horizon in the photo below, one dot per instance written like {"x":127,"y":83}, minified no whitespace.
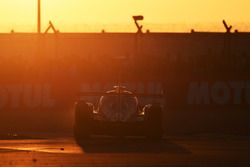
{"x":113,"y":16}
{"x":119,"y":27}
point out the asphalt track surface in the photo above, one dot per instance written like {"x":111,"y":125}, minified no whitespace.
{"x":196,"y":150}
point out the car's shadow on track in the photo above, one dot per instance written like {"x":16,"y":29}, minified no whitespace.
{"x":129,"y":145}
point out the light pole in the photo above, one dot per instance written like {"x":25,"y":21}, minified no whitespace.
{"x":38,"y":16}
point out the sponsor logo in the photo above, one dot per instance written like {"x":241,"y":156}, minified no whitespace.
{"x":38,"y":96}
{"x":220,"y":93}
{"x":25,"y":96}
{"x":147,"y":89}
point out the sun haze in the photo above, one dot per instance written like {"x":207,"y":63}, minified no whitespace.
{"x":92,"y":15}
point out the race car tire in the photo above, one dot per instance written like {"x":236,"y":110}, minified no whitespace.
{"x":153,"y":122}
{"x":83,"y":120}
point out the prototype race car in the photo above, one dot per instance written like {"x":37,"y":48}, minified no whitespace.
{"x":117,"y":114}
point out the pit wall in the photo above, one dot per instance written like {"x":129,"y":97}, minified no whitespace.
{"x":202,"y":77}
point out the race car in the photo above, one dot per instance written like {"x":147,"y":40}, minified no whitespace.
{"x":117,"y":113}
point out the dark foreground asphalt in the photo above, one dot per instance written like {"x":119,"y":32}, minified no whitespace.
{"x":206,"y":150}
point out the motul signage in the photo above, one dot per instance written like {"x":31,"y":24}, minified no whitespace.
{"x":220,"y":93}
{"x":25,"y":96}
{"x":56,"y":95}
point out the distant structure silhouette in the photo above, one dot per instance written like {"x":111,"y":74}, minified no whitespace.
{"x":38,"y":16}
{"x":136,"y":19}
{"x":228,"y":28}
{"x":51,"y":26}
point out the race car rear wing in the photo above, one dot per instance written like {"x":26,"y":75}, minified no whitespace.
{"x":99,"y":94}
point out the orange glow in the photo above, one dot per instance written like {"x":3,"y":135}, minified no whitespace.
{"x":113,"y":15}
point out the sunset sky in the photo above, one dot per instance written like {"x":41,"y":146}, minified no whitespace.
{"x":115,"y":15}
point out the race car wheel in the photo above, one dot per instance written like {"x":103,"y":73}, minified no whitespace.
{"x":153,"y":122}
{"x":83,"y":120}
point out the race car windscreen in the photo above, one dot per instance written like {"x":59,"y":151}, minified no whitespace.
{"x":118,"y":107}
